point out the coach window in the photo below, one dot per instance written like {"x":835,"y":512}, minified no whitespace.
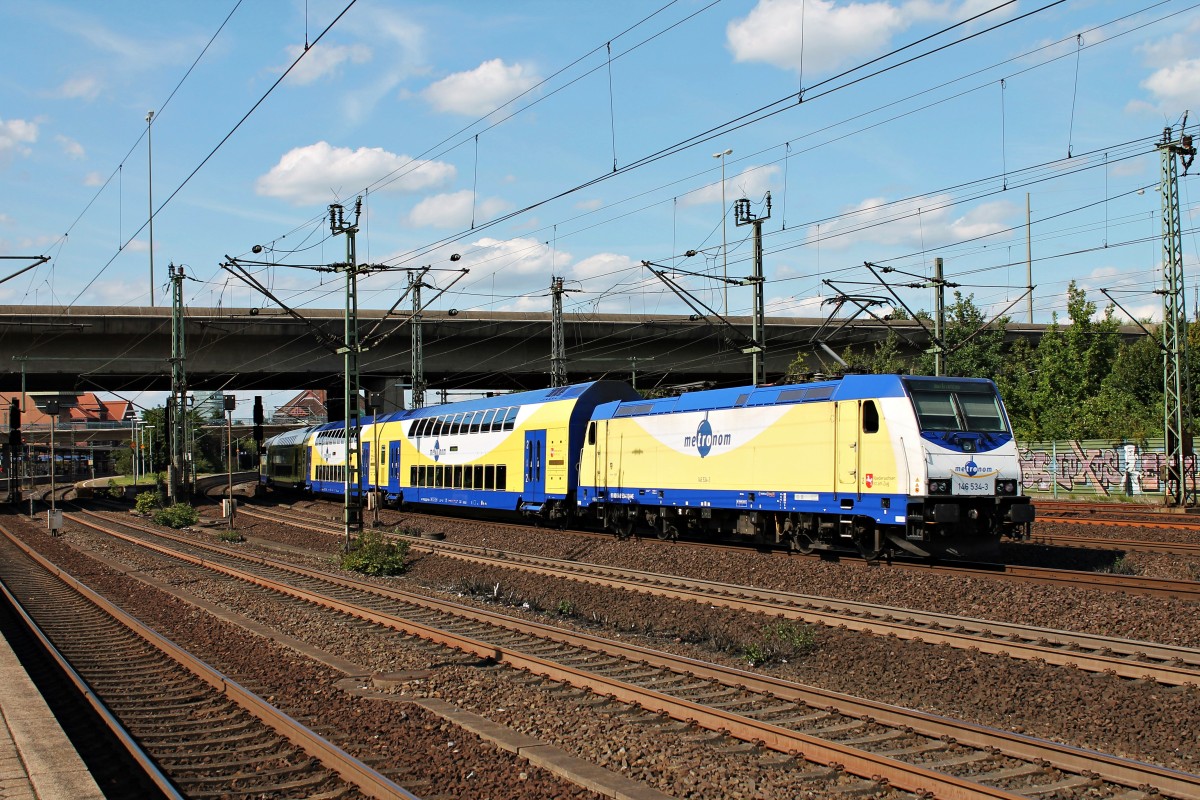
{"x":478,"y":482}
{"x":468,"y":477}
{"x":437,"y":476}
{"x":489,"y":477}
{"x":412,"y":475}
{"x":458,"y":477}
{"x":510,"y":418}
{"x":488,"y":416}
{"x":870,"y":417}
{"x":476,"y":419}
{"x":501,"y":477}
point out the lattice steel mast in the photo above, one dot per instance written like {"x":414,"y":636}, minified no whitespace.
{"x":1175,"y":373}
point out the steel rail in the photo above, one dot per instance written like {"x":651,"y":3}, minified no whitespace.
{"x":998,"y":638}
{"x":1102,"y":543}
{"x":114,"y":725}
{"x":900,"y":774}
{"x":352,"y":770}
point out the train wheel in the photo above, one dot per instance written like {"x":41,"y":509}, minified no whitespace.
{"x":803,"y":543}
{"x":622,"y":526}
{"x":869,"y":542}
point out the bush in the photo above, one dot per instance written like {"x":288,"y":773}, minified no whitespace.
{"x":115,"y":491}
{"x":231,"y":536}
{"x":375,"y":555}
{"x":177,"y":516}
{"x":146,"y":503}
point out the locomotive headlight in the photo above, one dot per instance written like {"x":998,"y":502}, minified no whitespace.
{"x":939,"y":486}
{"x":1006,"y":487}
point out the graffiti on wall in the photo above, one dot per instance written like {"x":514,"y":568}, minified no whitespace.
{"x":1103,"y":468}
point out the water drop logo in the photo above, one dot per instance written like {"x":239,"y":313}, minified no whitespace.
{"x":971,"y":468}
{"x":704,"y":438}
{"x":437,"y":450}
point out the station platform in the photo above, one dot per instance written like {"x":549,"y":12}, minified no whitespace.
{"x":37,"y":760}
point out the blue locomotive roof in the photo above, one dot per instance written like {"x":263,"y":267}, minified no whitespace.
{"x":848,"y":387}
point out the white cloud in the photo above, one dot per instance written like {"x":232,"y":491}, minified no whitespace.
{"x":454,"y":210}
{"x":93,"y":179}
{"x":323,"y":60}
{"x":604,"y":265}
{"x":833,"y":36}
{"x":81,"y":87}
{"x":512,"y":257}
{"x":72,"y":148}
{"x":1175,"y":86}
{"x":481,"y":90}
{"x":589,"y":205}
{"x":752,"y":182}
{"x":926,"y":222}
{"x":320,"y":172}
{"x":828,"y":35}
{"x":15,"y":134}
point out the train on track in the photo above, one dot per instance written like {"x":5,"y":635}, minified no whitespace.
{"x":881,"y":464}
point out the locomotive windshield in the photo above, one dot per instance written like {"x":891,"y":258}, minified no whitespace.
{"x":946,"y":405}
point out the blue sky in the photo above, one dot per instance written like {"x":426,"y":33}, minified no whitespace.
{"x":577,"y":139}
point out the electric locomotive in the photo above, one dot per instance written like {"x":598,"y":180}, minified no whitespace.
{"x":876,"y":463}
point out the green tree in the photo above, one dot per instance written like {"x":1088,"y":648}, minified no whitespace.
{"x":972,"y":350}
{"x":1070,"y":367}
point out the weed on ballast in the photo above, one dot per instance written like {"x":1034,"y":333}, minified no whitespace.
{"x":1120,"y":567}
{"x":779,"y":641}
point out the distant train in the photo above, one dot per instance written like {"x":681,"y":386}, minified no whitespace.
{"x":881,"y":464}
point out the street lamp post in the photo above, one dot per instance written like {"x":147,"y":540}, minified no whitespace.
{"x":724,"y":250}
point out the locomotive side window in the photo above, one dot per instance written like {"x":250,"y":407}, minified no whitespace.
{"x":591,"y":432}
{"x":870,"y":417}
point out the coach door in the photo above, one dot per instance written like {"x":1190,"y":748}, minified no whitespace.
{"x":535,"y":466}
{"x":846,"y":447}
{"x":393,"y":467}
{"x":366,"y":467}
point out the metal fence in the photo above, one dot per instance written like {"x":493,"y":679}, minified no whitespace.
{"x":1101,"y":468}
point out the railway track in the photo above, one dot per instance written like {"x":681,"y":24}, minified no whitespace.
{"x":200,"y":732}
{"x":913,"y":751}
{"x":1128,"y":584}
{"x":1115,"y":515}
{"x":1123,"y":657}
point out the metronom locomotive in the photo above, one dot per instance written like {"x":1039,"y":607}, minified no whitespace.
{"x":878,"y":464}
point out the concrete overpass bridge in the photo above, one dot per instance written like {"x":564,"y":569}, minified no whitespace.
{"x":124,"y":349}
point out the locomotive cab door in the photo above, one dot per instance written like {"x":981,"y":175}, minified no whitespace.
{"x":535,"y":466}
{"x":847,"y":447}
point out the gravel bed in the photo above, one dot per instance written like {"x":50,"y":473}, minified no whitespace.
{"x":420,"y":749}
{"x":1131,"y":718}
{"x":610,"y":735}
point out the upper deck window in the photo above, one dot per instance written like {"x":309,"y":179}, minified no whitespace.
{"x":949,"y":405}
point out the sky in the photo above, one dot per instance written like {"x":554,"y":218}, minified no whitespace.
{"x":539,"y":139}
